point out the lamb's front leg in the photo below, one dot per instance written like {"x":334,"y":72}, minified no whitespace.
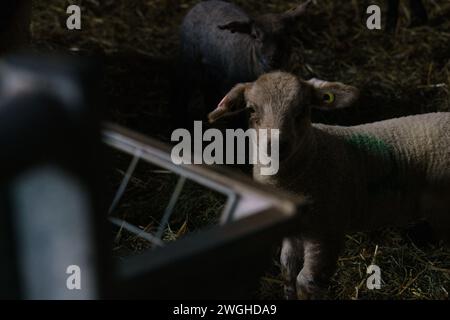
{"x":320,"y":261}
{"x":291,"y":260}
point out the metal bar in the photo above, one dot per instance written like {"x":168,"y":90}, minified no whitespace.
{"x":126,"y":179}
{"x":169,"y":209}
{"x":160,"y":156}
{"x":230,"y":208}
{"x":135,"y":230}
{"x":218,"y":179}
{"x":253,"y":214}
{"x":205,"y":258}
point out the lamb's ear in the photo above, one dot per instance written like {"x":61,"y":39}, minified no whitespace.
{"x":332,"y":95}
{"x":232,"y":103}
{"x":238,"y":26}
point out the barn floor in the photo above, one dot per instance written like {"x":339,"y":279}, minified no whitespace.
{"x":402,"y":74}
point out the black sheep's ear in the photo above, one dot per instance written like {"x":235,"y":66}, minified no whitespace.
{"x":232,"y":103}
{"x":245,"y":27}
{"x":257,"y":33}
{"x":293,"y":14}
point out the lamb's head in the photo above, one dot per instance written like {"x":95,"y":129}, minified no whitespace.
{"x":271,"y":35}
{"x":282,"y":101}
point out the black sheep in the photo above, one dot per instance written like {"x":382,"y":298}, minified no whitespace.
{"x":222,"y":45}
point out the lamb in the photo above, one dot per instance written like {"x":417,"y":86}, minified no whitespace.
{"x":221,"y":45}
{"x":358,"y":178}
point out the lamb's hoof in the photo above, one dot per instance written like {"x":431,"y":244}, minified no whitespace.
{"x":290,"y":293}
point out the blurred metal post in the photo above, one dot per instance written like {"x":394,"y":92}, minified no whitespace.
{"x":50,"y":142}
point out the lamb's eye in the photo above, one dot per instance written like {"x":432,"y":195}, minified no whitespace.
{"x":251,"y":109}
{"x":328,"y":97}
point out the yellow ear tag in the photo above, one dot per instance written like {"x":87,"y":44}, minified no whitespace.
{"x":328,"y":97}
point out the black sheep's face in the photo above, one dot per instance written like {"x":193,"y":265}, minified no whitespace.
{"x":270,"y":41}
{"x":272,"y":44}
{"x":270,"y":33}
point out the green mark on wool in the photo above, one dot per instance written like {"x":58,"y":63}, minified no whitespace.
{"x":371,"y":145}
{"x":379,"y":156}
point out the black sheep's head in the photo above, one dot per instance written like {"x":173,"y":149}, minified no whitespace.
{"x":270,"y":33}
